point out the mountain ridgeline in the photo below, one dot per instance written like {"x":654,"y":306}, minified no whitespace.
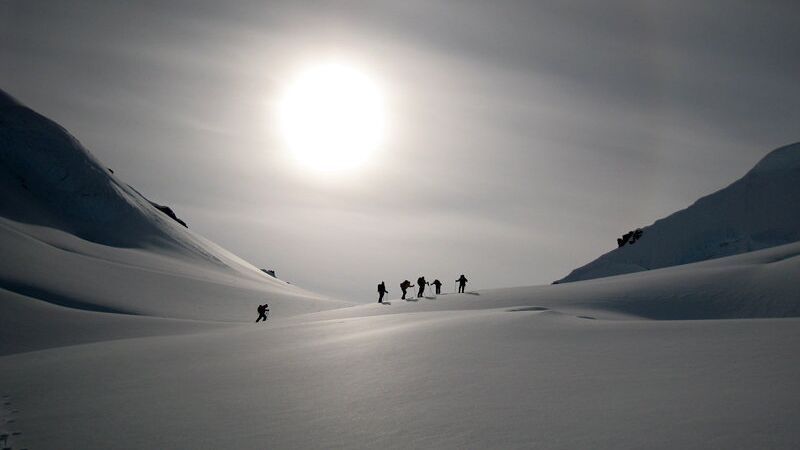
{"x":760,"y":210}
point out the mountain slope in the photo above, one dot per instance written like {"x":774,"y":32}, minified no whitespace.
{"x":579,"y":365}
{"x":758,"y":211}
{"x":74,"y":235}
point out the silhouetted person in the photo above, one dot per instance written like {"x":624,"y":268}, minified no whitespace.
{"x":404,"y":287}
{"x":438,"y":285}
{"x":263,"y":310}
{"x":381,"y":291}
{"x":421,"y":283}
{"x":462,"y":283}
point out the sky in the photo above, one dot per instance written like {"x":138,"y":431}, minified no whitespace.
{"x":522,"y":137}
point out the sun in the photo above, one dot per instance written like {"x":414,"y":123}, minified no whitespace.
{"x":332,"y":117}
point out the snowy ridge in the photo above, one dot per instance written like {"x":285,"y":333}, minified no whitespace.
{"x":50,"y":179}
{"x":758,"y":211}
{"x":76,"y":236}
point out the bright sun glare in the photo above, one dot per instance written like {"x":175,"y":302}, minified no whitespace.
{"x":332,"y":117}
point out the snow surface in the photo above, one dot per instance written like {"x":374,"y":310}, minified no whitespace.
{"x":579,"y":365}
{"x":482,"y":376}
{"x":121,"y":329}
{"x":759,"y":210}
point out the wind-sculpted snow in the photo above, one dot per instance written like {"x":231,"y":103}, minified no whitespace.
{"x":760,"y":210}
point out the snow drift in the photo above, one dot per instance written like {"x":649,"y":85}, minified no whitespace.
{"x":758,"y":211}
{"x":75,"y":235}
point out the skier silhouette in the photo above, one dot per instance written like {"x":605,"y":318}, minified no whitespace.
{"x":381,"y":291}
{"x":404,"y":287}
{"x":421,"y":283}
{"x":462,"y":283}
{"x":438,"y":284}
{"x":263,"y":310}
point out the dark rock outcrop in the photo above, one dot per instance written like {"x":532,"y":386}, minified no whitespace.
{"x":168,"y":211}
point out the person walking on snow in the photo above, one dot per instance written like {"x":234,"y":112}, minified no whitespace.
{"x":381,"y":291}
{"x":462,"y":283}
{"x":421,"y":283}
{"x":262,"y":312}
{"x":404,"y":287}
{"x":438,"y":285}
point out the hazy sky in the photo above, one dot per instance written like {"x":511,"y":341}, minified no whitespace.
{"x":523,"y":136}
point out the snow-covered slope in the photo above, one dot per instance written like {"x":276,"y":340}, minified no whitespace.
{"x":577,"y":365}
{"x":74,"y":235}
{"x":759,"y":284}
{"x":760,"y":210}
{"x":86,"y":362}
